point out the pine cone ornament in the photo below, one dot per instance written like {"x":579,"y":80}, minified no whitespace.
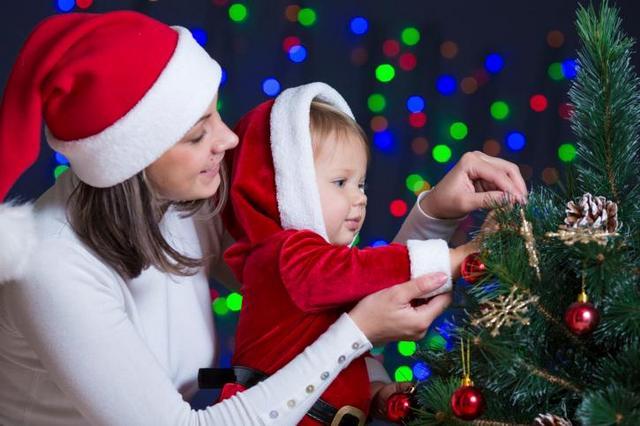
{"x":550,"y":420}
{"x":592,"y":212}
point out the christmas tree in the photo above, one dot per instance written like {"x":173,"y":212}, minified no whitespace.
{"x":549,"y":325}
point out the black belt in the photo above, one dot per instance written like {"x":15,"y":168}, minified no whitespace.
{"x":322,"y":411}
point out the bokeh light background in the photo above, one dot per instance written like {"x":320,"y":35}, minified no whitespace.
{"x":428,"y":81}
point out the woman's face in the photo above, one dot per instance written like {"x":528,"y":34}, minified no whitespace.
{"x":190,"y":170}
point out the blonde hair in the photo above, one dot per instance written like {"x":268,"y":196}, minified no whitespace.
{"x":326,"y":120}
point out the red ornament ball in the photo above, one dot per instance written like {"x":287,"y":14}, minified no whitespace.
{"x":468,"y":403}
{"x":472,"y":268}
{"x":399,"y":407}
{"x":581,"y":318}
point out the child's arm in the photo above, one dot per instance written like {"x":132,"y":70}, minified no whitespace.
{"x":320,"y":276}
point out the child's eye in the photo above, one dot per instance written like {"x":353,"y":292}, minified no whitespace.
{"x":362,"y":186}
{"x":340,"y":182}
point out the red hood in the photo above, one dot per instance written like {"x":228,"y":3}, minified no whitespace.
{"x":251,"y":215}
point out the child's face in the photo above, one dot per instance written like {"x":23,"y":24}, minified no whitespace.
{"x":341,"y":167}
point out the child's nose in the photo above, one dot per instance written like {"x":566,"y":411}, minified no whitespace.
{"x":359,"y":198}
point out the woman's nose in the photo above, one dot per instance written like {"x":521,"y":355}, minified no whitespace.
{"x":225,"y":139}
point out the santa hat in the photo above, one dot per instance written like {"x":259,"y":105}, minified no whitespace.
{"x":273,"y":182}
{"x":116,"y":91}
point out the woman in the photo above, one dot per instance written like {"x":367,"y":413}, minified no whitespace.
{"x":106,"y":316}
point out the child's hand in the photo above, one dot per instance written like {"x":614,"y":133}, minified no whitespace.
{"x":458,"y":254}
{"x":380,"y":393}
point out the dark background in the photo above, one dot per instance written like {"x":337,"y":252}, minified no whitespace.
{"x":252,"y":50}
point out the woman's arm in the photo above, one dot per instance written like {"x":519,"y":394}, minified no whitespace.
{"x":75,"y":319}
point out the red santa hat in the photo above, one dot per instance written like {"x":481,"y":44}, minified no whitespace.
{"x":116,"y":91}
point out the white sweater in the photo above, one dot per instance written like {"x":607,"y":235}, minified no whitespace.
{"x":80,"y":345}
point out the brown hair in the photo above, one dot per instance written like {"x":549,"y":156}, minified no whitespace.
{"x":121,"y":225}
{"x":326,"y":120}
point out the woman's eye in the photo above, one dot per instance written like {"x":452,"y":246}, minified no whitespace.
{"x":198,"y":139}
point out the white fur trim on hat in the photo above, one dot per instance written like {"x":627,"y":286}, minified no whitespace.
{"x":427,"y":256}
{"x":175,"y":102}
{"x":17,"y":240}
{"x":296,"y":188}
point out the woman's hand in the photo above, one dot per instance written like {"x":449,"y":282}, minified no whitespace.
{"x":388,"y":316}
{"x":477,"y":181}
{"x":380,"y":393}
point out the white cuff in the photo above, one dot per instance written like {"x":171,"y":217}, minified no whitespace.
{"x":430,"y":256}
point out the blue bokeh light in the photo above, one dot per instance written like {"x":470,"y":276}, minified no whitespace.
{"x":516,"y":141}
{"x":446,"y":84}
{"x":494,"y":63}
{"x":359,"y":25}
{"x":415,"y":103}
{"x":65,"y":5}
{"x":383,"y":141}
{"x":569,"y":69}
{"x":421,"y":371}
{"x":61,"y":159}
{"x":271,"y":86}
{"x":297,"y":53}
{"x":379,"y":243}
{"x":200,"y":35}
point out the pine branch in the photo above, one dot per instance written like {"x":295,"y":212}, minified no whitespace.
{"x":556,"y":380}
{"x":606,"y":104}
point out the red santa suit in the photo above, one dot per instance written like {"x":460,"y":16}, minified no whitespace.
{"x":295,"y":283}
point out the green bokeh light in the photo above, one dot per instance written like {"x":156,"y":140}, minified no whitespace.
{"x":238,"y":12}
{"x":407,"y":348}
{"x":555,"y":71}
{"x":499,"y":110}
{"x":60,"y":170}
{"x":567,"y":152}
{"x":220,"y":306}
{"x":458,"y":130}
{"x":376,"y":102}
{"x":410,"y":36}
{"x":403,"y":374}
{"x":234,"y":302}
{"x":385,"y":73}
{"x":307,"y":16}
{"x":435,"y":341}
{"x":441,"y":153}
{"x":414,"y":182}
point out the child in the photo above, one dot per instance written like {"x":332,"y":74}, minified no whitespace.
{"x":297,"y":204}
